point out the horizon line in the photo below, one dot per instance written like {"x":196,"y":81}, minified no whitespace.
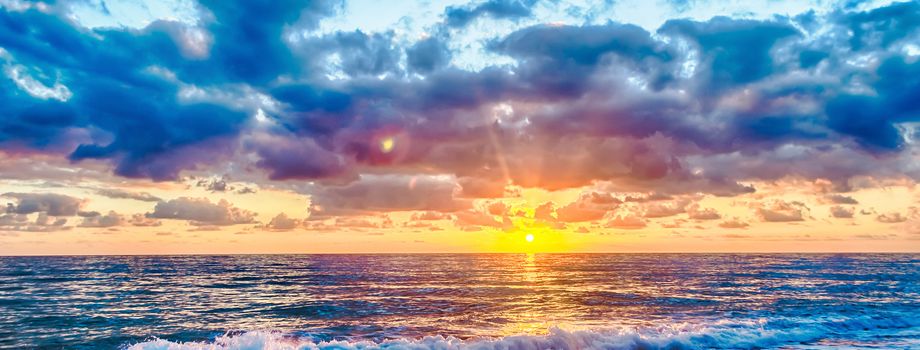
{"x":477,"y":253}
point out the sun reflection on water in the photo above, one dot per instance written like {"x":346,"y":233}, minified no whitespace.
{"x":462,"y":295}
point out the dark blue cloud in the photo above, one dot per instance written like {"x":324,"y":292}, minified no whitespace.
{"x":811,"y":58}
{"x":358,"y":53}
{"x":500,"y":9}
{"x":314,"y":111}
{"x":427,"y":55}
{"x":581,"y":45}
{"x":152,"y":133}
{"x":106,"y":72}
{"x":744,"y":87}
{"x":38,"y":124}
{"x":560,"y":59}
{"x":883,"y":26}
{"x":248,"y":36}
{"x":732,"y":51}
{"x":871,"y":119}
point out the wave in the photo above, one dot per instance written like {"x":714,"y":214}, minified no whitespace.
{"x":761,"y":333}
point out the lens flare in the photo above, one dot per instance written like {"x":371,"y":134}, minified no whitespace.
{"x":387,"y":145}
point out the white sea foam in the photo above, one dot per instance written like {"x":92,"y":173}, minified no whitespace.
{"x":557,"y":339}
{"x":734,"y":335}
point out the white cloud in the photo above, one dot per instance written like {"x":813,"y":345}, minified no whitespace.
{"x":131,"y":14}
{"x":25,"y":81}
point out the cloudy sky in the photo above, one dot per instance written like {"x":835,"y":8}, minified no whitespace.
{"x":453,"y":126}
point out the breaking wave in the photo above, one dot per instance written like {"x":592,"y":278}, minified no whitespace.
{"x":782,"y":332}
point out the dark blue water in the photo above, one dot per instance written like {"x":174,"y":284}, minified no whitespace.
{"x":542,"y":301}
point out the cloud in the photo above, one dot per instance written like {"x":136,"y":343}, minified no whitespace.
{"x":214,"y":185}
{"x":891,"y":218}
{"x":143,"y":124}
{"x":676,"y":223}
{"x":461,"y":16}
{"x":142,"y":220}
{"x":266,"y":56}
{"x":497,"y":208}
{"x":122,"y":194}
{"x":475,"y":218}
{"x":419,"y":224}
{"x":695,"y":212}
{"x":734,"y":223}
{"x":13,"y":220}
{"x":43,"y":223}
{"x":590,"y":206}
{"x":732,"y":51}
{"x":430,"y":215}
{"x":381,"y":193}
{"x":111,"y":219}
{"x":427,"y":55}
{"x":840,"y":199}
{"x":246,"y":190}
{"x":364,"y":222}
{"x":782,"y":211}
{"x":282,"y":222}
{"x":354,"y":223}
{"x":287,"y":158}
{"x":665,"y":209}
{"x":472,"y":187}
{"x":629,"y":222}
{"x":222,"y":184}
{"x":575,"y":212}
{"x":201,"y":212}
{"x":584,"y":45}
{"x":841,"y":212}
{"x":600,"y":198}
{"x":353,"y":53}
{"x":545,"y":212}
{"x":203,"y":228}
{"x":48,"y":203}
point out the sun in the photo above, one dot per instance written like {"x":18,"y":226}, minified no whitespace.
{"x":528,"y":238}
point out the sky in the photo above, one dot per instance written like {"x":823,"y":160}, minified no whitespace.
{"x":223,"y":127}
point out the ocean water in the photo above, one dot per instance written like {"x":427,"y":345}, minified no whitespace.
{"x":463,"y":301}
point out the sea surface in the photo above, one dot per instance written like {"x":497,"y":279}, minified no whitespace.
{"x":462,"y":301}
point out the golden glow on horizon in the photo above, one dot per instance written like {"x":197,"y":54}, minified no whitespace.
{"x":400,"y":233}
{"x":528,"y":236}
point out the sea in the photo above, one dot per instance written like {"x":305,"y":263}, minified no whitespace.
{"x":462,"y":301}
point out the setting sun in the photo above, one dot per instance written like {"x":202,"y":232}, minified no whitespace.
{"x":528,"y":238}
